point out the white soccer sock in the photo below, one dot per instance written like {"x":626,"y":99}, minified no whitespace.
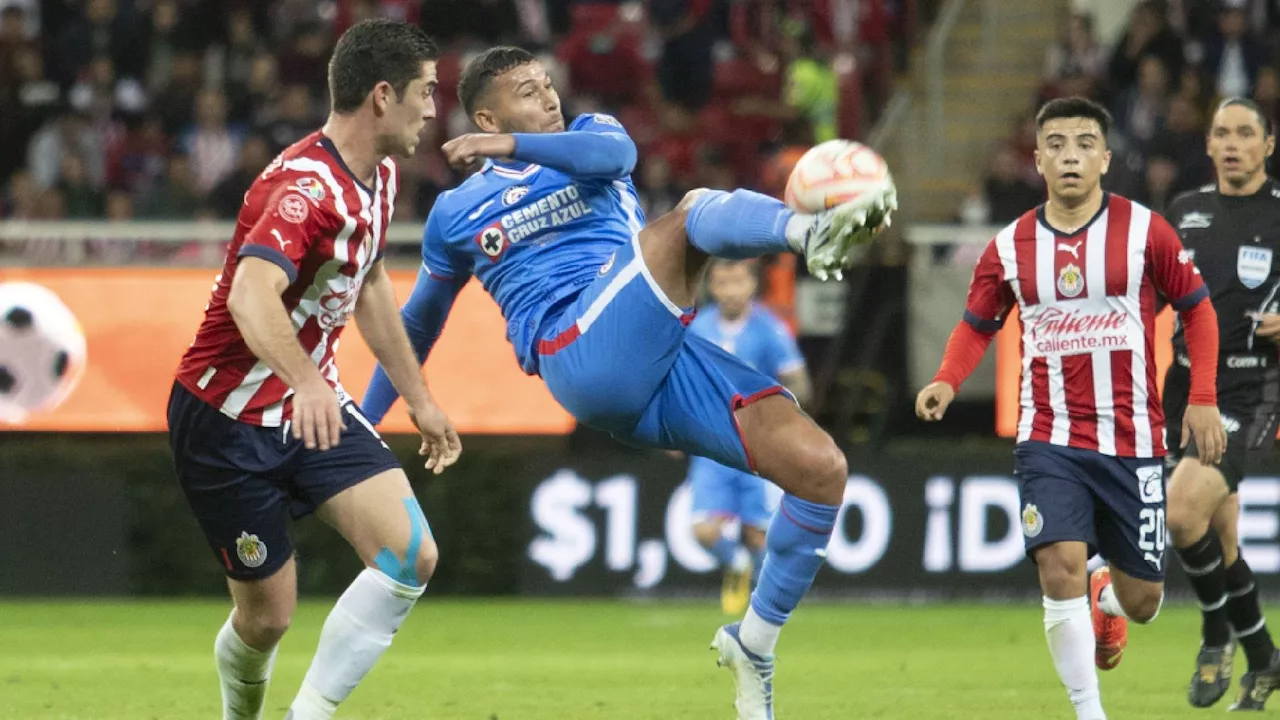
{"x":797,"y":230}
{"x":1068,"y":628}
{"x":1109,"y":603}
{"x":757,"y":634}
{"x":358,"y":630}
{"x":244,"y":672}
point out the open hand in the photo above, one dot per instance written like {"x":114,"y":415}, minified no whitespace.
{"x":440,"y":443}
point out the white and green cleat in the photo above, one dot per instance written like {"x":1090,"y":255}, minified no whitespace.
{"x":835,"y":236}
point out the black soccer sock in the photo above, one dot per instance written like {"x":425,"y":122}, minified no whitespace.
{"x":1203,"y":564}
{"x":1246,"y":615}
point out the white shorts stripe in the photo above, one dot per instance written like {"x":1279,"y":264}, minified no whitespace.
{"x":597,"y":306}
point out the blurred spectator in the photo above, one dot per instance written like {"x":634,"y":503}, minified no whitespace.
{"x":83,"y":200}
{"x":658,"y":190}
{"x":234,"y":60}
{"x":136,"y":157}
{"x":1006,"y":193}
{"x":1183,"y":144}
{"x":712,"y":171}
{"x":228,"y":197}
{"x":29,"y":102}
{"x":176,"y":100}
{"x":1148,"y":34}
{"x":1266,"y":91}
{"x":20,"y":196}
{"x":1140,"y":112}
{"x":66,"y":134}
{"x":13,"y":38}
{"x":213,"y":147}
{"x":1076,"y":54}
{"x":295,"y":117}
{"x":812,"y":86}
{"x":686,"y":68}
{"x":100,"y":29}
{"x":1233,"y":56}
{"x":175,"y":196}
{"x":257,"y":103}
{"x":490,"y":22}
{"x":306,"y":58}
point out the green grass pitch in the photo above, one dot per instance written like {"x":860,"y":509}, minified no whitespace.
{"x":565,"y":660}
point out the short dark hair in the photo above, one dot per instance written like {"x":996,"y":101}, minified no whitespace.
{"x":1075,"y":107}
{"x":1245,"y":102}
{"x":483,"y":68}
{"x":372,"y":51}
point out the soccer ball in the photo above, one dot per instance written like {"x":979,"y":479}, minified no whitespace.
{"x":42,"y":350}
{"x":841,"y":171}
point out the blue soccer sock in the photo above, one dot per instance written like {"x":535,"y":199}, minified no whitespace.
{"x":741,"y":224}
{"x":724,"y":551}
{"x":797,"y":542}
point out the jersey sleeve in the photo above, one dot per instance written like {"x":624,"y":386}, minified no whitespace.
{"x":438,"y":261}
{"x":784,"y":353}
{"x":1171,"y":268}
{"x":291,"y":223}
{"x":594,"y":147}
{"x":990,"y":296}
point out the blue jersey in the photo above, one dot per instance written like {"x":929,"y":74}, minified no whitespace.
{"x":535,"y":236}
{"x":759,"y":338}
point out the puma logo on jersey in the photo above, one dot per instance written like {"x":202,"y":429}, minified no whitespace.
{"x":1073,"y":249}
{"x":280,"y":239}
{"x":1195,"y":221}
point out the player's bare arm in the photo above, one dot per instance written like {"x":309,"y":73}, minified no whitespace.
{"x":377,"y":314}
{"x":259,"y":314}
{"x":466,"y":150}
{"x":799,"y":384}
{"x":1203,"y":421}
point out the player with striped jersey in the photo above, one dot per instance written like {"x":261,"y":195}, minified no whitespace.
{"x":259,"y":424}
{"x":1088,"y":272}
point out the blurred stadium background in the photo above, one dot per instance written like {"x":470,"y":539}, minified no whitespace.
{"x":129,"y":130}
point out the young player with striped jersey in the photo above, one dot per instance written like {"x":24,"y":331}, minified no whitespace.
{"x":1089,"y":271}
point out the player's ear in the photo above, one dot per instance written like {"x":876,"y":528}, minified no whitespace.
{"x":383,"y":96}
{"x":1270,"y":146}
{"x":485,"y":120}
{"x":1106,"y":161}
{"x":1039,"y":169}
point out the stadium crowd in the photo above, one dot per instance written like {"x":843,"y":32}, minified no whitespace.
{"x":1161,"y":76}
{"x":165,"y":109}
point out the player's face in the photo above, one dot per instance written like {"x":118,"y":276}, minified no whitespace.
{"x":732,"y":287}
{"x":1238,"y":145}
{"x":1072,"y":155}
{"x":405,"y":118}
{"x":523,"y":100}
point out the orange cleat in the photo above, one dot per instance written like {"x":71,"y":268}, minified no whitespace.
{"x":1110,"y":632}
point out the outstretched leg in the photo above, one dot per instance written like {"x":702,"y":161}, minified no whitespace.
{"x":1068,"y":628}
{"x":245,"y":649}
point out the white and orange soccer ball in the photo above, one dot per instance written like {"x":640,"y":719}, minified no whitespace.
{"x":840,"y":171}
{"x":42,"y":351}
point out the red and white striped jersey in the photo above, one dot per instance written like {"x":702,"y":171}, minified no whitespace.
{"x":308,"y":214}
{"x":1087,"y":307}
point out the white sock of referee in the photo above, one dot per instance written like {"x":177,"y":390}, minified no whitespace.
{"x":1068,"y":626}
{"x":358,"y":630}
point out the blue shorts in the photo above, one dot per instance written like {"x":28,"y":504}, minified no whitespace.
{"x":720,"y":491}
{"x":1113,"y":504}
{"x":244,"y":481}
{"x":619,"y":359}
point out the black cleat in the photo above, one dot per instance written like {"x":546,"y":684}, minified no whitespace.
{"x":1212,"y":677}
{"x":1256,"y":687}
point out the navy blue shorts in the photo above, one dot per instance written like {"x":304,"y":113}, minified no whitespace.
{"x":1113,"y":504}
{"x":244,"y":481}
{"x":619,"y":359}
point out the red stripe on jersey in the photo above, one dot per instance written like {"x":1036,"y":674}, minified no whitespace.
{"x":1147,"y":300}
{"x":1122,"y":396}
{"x":1042,"y":421}
{"x":1119,"y":213}
{"x":1077,"y":371}
{"x":1024,"y":250}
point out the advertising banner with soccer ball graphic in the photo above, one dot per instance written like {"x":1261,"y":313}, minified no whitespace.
{"x":932,"y":524}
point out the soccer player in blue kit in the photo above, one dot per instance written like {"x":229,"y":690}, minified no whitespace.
{"x":721,"y":494}
{"x":597,"y":304}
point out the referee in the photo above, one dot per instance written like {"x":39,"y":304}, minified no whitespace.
{"x":1232,"y":230}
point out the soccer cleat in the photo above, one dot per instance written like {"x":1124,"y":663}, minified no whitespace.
{"x":752,"y":674}
{"x":1212,"y":677}
{"x":1110,"y":632}
{"x":836,"y":236}
{"x":1256,"y":687}
{"x":735,"y":590}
